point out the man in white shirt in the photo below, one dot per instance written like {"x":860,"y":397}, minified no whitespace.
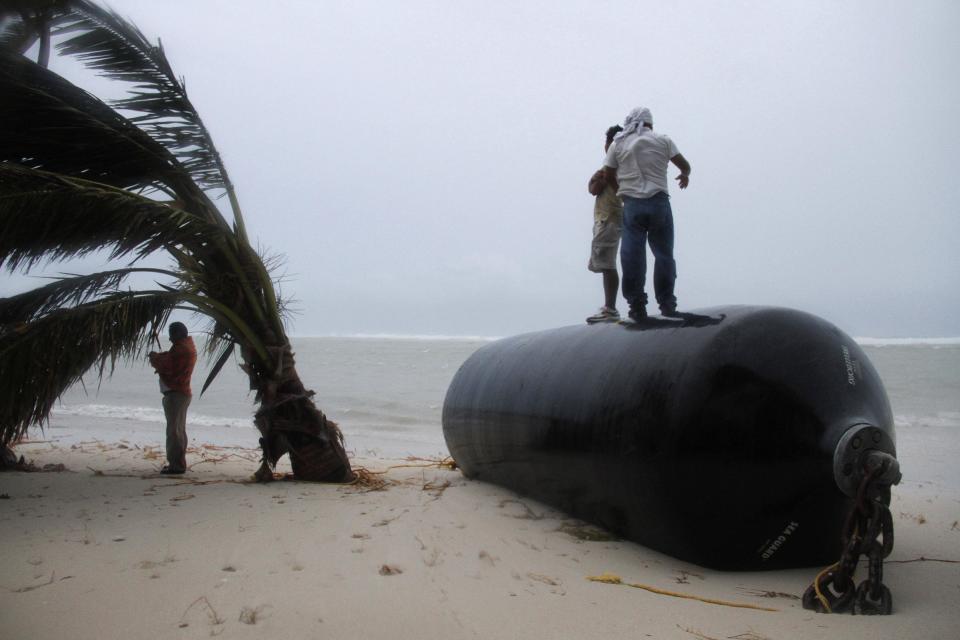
{"x":638,"y":160}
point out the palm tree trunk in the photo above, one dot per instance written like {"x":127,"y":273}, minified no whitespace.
{"x":43,"y":56}
{"x":289,"y":422}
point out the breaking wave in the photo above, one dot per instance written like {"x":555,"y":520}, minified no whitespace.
{"x":147,"y":414}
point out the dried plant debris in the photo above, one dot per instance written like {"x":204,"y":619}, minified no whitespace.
{"x":684,"y":576}
{"x":526,"y":513}
{"x":923,"y":559}
{"x":760,"y":593}
{"x":151,"y":564}
{"x":696,"y":633}
{"x":387,"y":521}
{"x":212,"y":614}
{"x":418,"y":462}
{"x":436,"y":489}
{"x":367,"y":480}
{"x":43,"y":584}
{"x":539,"y":577}
{"x":749,"y":635}
{"x":586,"y":532}
{"x":250,"y":615}
{"x":22,"y":464}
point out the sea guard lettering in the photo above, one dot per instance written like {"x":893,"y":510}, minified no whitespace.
{"x":779,"y":541}
{"x":851,"y":365}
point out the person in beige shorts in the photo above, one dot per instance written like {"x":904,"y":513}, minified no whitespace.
{"x":607,"y":225}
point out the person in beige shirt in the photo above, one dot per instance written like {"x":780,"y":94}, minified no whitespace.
{"x":607,"y":225}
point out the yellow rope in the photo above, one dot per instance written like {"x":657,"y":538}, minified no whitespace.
{"x":610,"y":578}
{"x":816,"y":587}
{"x":816,"y":581}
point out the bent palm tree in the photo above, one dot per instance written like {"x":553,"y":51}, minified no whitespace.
{"x":77,"y":176}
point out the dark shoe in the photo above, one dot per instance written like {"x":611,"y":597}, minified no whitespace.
{"x":669,"y":312}
{"x":638,"y":313}
{"x":169,"y":471}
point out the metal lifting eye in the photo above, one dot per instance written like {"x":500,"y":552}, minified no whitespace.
{"x":861,"y":447}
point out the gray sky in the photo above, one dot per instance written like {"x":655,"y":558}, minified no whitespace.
{"x":423,"y":165}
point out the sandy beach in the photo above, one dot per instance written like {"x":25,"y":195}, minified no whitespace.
{"x":401,"y":219}
{"x":107,"y":548}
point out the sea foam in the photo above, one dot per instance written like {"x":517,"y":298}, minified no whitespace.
{"x":907,"y":342}
{"x":146,"y":414}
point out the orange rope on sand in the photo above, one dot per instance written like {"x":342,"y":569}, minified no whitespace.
{"x":609,"y":578}
{"x":365,"y":477}
{"x":440,"y":464}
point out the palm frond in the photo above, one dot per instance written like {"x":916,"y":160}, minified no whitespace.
{"x":49,"y":123}
{"x":107,"y":43}
{"x":48,"y":217}
{"x":45,"y":216}
{"x":221,"y":360}
{"x":16,"y":31}
{"x":23,"y":22}
{"x":39,"y":360}
{"x":233,"y":322}
{"x":64,"y":292}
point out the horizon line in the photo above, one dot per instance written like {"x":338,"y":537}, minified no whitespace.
{"x":861,"y":340}
{"x":400,"y":336}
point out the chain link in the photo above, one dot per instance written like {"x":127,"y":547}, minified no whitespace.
{"x":867,"y":531}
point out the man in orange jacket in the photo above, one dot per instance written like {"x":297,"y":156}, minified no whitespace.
{"x":175,"y":368}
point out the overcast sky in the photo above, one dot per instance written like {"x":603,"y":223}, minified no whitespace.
{"x":423,"y":165}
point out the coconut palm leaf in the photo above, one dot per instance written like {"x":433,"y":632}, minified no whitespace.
{"x":23,"y":22}
{"x":17,"y":33}
{"x":221,"y":360}
{"x":48,"y":216}
{"x":66,"y":292}
{"x":117,"y":49}
{"x":51,"y":124}
{"x":44,"y":216}
{"x":39,"y":360}
{"x":107,"y":158}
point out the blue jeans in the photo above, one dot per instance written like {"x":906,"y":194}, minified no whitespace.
{"x":648,"y":219}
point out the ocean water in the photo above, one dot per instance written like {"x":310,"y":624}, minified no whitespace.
{"x":385,"y":393}
{"x":387,"y":396}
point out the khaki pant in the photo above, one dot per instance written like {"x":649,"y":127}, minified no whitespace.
{"x":175,"y":409}
{"x":606,"y":241}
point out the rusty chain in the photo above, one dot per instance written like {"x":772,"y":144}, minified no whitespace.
{"x":868,"y":531}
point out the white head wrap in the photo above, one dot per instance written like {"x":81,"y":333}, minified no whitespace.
{"x":634,"y":122}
